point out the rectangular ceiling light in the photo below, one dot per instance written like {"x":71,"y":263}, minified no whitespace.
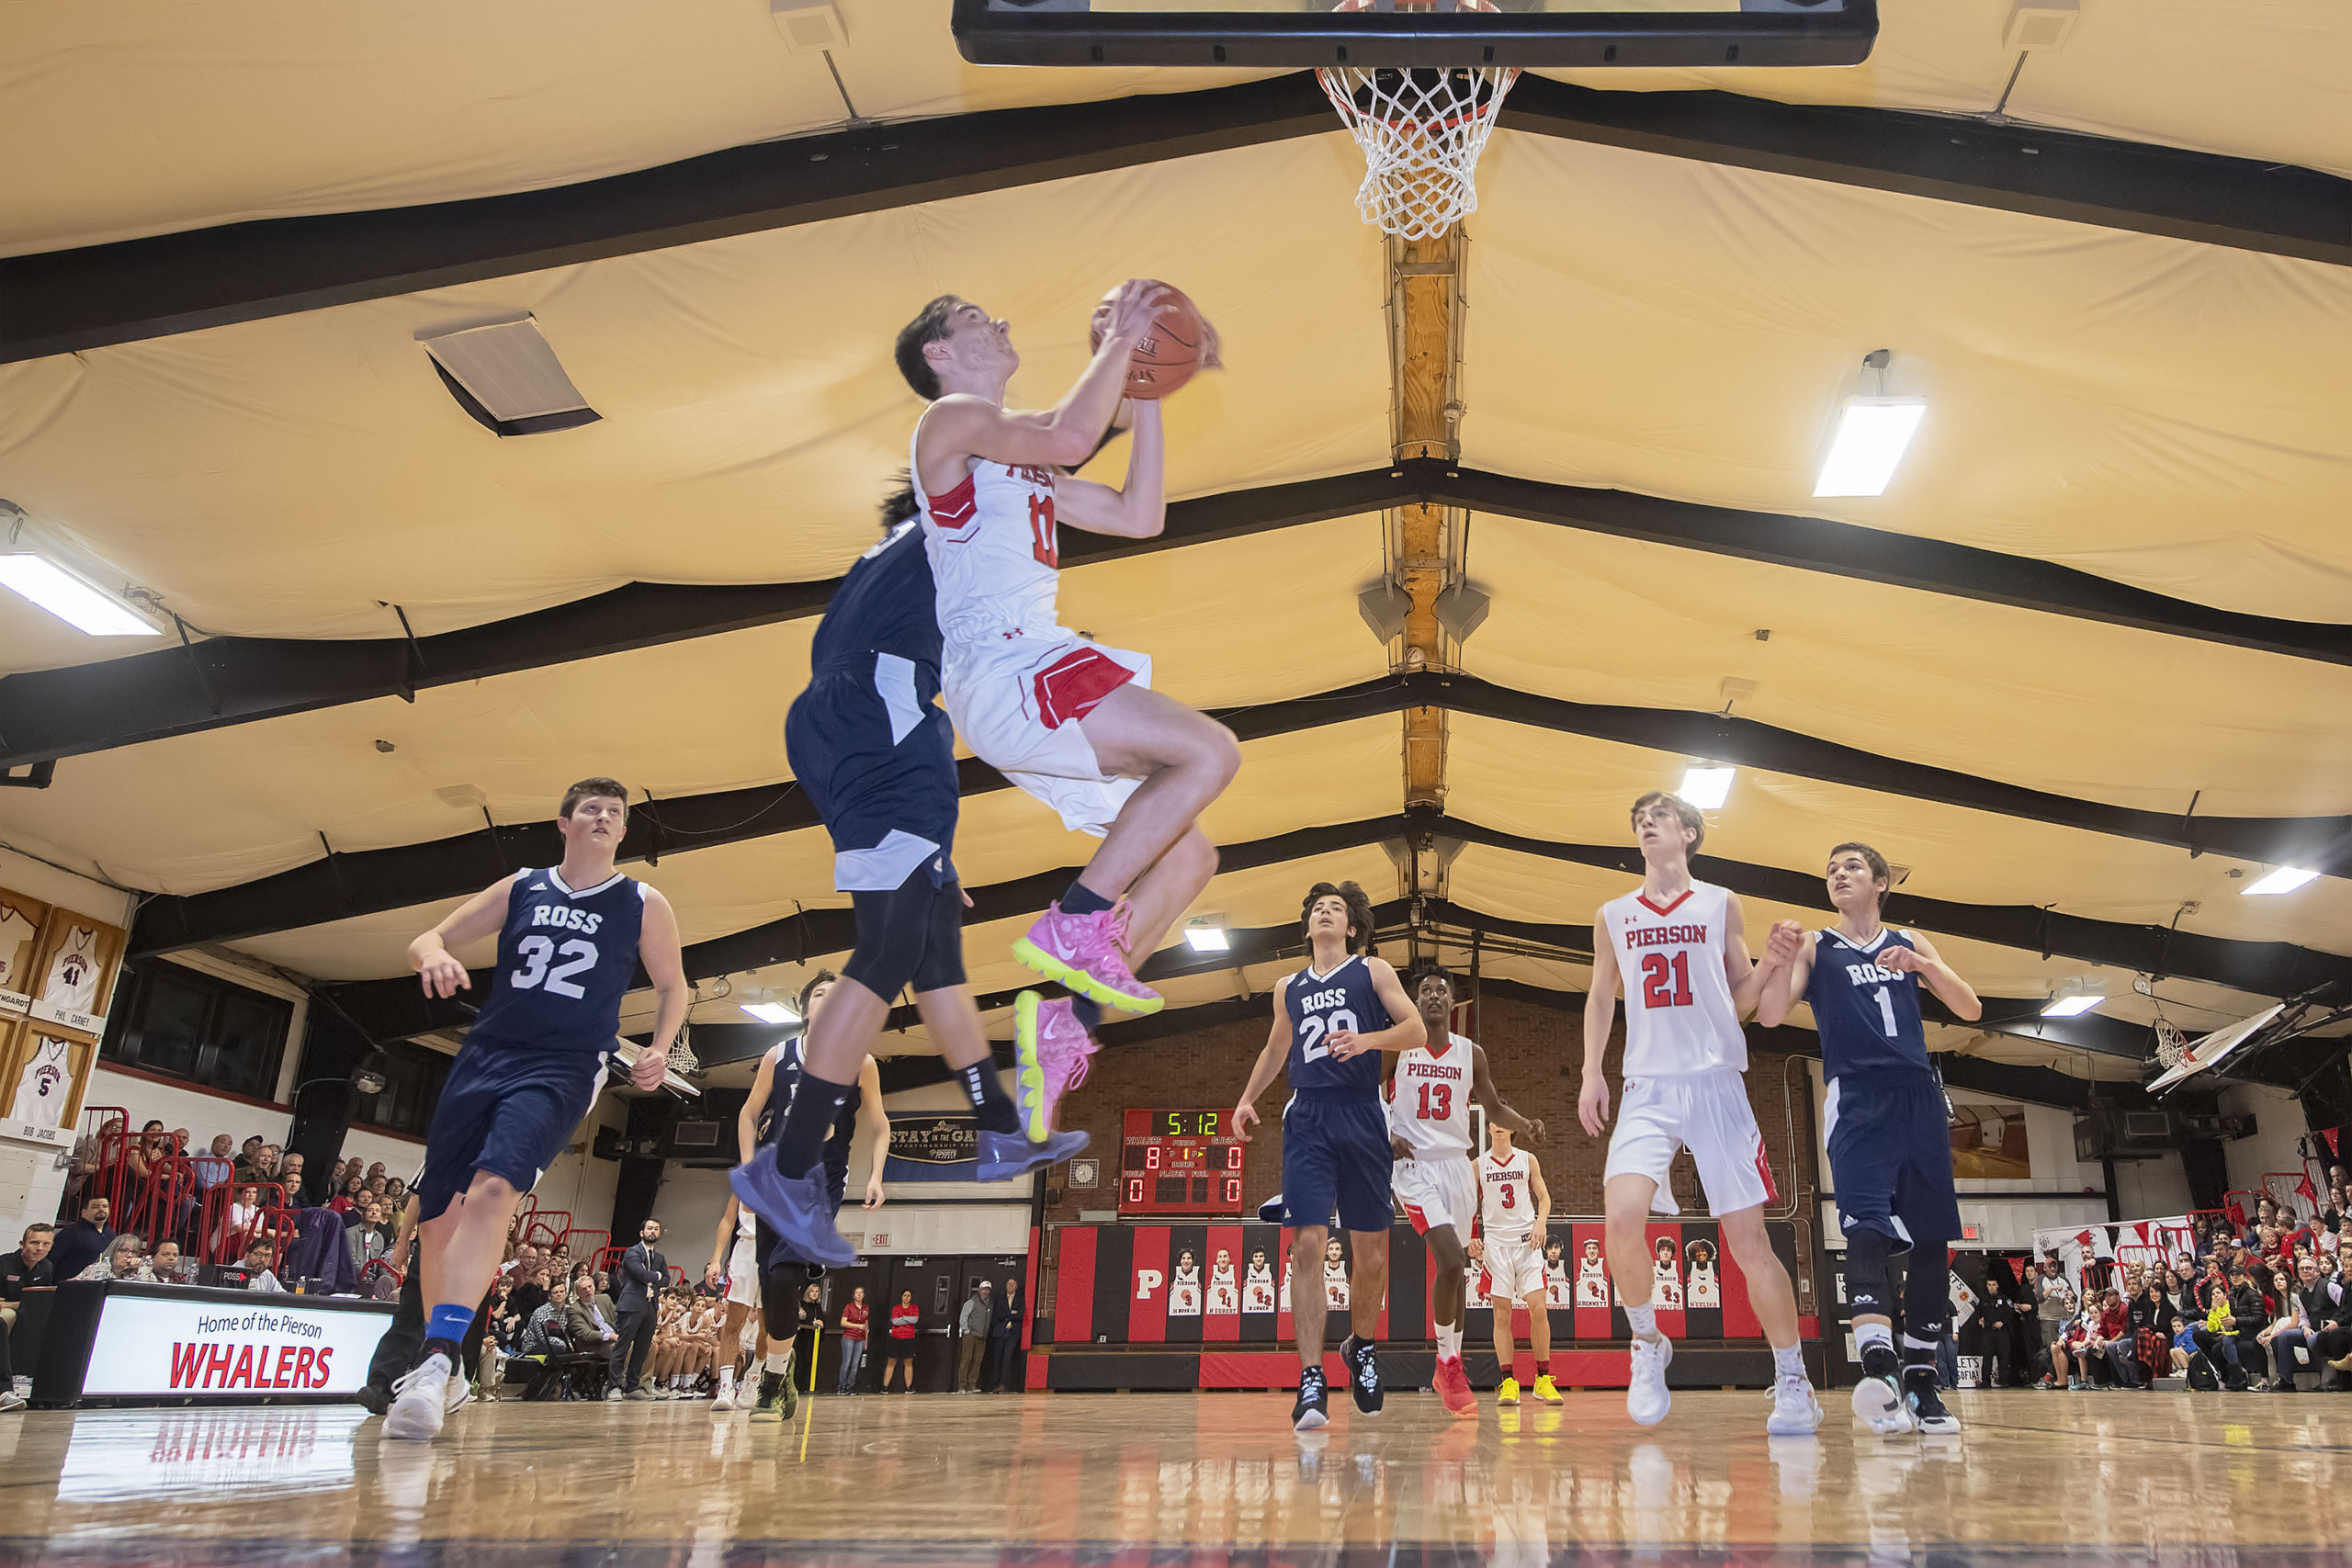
{"x":1871,"y":435}
{"x":2286,"y":879}
{"x":2071,"y":1007}
{"x":772,"y":1013}
{"x":1706,"y":788}
{"x":508,"y":377}
{"x":1202,"y":936}
{"x":78,"y":603}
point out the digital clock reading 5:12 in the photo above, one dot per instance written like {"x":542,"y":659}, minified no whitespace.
{"x":1180,"y":1162}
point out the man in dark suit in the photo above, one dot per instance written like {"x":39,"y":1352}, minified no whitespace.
{"x":641,"y":1271}
{"x":1004,"y":1340}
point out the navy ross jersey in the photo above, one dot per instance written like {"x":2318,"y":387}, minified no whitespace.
{"x":783,"y":1083}
{"x":886,"y":604}
{"x":1868,"y":1017}
{"x":1320,"y":1004}
{"x":565,"y":959}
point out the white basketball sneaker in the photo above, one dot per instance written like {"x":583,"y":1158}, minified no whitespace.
{"x":420,"y":1400}
{"x":725,"y":1397}
{"x":1795,"y":1412}
{"x":1646,"y":1400}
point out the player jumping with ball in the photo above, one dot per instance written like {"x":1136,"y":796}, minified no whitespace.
{"x":1074,"y":723}
{"x":1889,"y":1148}
{"x":1680,"y":946}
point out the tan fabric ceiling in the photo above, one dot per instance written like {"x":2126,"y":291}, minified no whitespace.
{"x":2166,"y":414}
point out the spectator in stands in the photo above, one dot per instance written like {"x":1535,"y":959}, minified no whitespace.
{"x":81,"y":1241}
{"x":169,"y":1267}
{"x":245,"y":1214}
{"x":376,"y":1171}
{"x":972,"y":1338}
{"x":2247,"y":1311}
{"x":125,"y":1259}
{"x":2336,"y":1238}
{"x":543,"y":1332}
{"x":596,"y":1327}
{"x":351,"y":1195}
{"x":29,"y":1265}
{"x":531,"y":1284}
{"x":370,"y":1238}
{"x":260,"y":1264}
{"x":260,"y":1167}
{"x":151,"y":1146}
{"x":906,"y":1321}
{"x":2319,"y":1324}
{"x":213,"y":1169}
{"x":853,"y":1330}
{"x":2153,"y":1325}
{"x":1004,"y":1339}
{"x":2053,"y":1310}
{"x":290,"y":1176}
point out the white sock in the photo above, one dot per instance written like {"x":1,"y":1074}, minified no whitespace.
{"x":1644,"y":1321}
{"x":1868,"y":1334}
{"x":726,"y":1377}
{"x":778,"y":1364}
{"x":1449,"y":1342}
{"x":1788,"y":1361}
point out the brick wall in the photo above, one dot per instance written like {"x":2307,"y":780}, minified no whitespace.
{"x":1534,"y":1052}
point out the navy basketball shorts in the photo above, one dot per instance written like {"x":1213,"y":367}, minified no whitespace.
{"x":877,"y":758}
{"x":507,"y":1110}
{"x":1336,"y":1155}
{"x":1890,"y":1155}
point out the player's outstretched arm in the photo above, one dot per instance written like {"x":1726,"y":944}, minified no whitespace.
{"x":1921,"y":958}
{"x":1599,"y":1012}
{"x":1137,"y":510}
{"x":747,"y":1118}
{"x":1780,"y":995}
{"x":1483,"y":1091}
{"x":875,"y":1123}
{"x":1407,"y":1032}
{"x":1270,"y":1062}
{"x":1748,"y":977}
{"x":478,"y":917}
{"x":716,"y":1269}
{"x":665,"y":965}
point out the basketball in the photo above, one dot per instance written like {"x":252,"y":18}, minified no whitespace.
{"x":1169,"y":353}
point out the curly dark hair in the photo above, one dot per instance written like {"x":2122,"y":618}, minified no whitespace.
{"x":1359,"y":905}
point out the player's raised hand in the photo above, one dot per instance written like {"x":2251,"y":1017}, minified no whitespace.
{"x":443,"y":976}
{"x":1243,"y":1114}
{"x":1592,"y":1104}
{"x":1782,"y":944}
{"x":874,"y":1186}
{"x":646,"y":1072}
{"x":1895,"y":956}
{"x":1212,"y":349}
{"x":1132,"y":308}
{"x":1535,"y":1129}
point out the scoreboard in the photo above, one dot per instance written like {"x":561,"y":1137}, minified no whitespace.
{"x":1180,"y":1162}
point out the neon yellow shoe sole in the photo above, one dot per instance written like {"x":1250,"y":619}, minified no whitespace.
{"x":1029,"y":1074}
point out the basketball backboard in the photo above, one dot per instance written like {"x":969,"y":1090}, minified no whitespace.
{"x":1299,"y":33}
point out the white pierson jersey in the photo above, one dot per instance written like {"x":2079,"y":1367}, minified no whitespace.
{"x":1506,"y":1197}
{"x":17,"y":934}
{"x":42,"y":1088}
{"x":1678,"y":1017}
{"x":994,"y":555}
{"x":1429,"y":1105}
{"x":74,"y":973}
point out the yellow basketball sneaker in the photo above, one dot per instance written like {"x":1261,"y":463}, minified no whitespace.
{"x":1509,"y":1393}
{"x":1545,"y":1392}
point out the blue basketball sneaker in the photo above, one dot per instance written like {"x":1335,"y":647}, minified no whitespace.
{"x":800,"y":1211}
{"x":1004,"y":1156}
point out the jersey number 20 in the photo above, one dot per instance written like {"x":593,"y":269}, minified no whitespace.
{"x":538,"y":951}
{"x":1315,"y":1027}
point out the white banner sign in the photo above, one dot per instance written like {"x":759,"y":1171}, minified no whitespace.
{"x":154,"y":1344}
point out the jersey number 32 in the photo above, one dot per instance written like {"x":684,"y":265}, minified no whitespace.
{"x":538,"y":951}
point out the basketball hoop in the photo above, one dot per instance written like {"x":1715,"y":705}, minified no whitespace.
{"x":681,"y":1059}
{"x":1421,"y":129}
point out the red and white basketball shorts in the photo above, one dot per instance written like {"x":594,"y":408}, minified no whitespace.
{"x":1514,"y":1267}
{"x":1016,"y":701}
{"x":1707,"y":1113}
{"x":1438,"y":1189}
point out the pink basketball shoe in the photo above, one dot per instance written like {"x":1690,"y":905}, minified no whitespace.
{"x":1082,"y":952}
{"x":1052,"y":1048}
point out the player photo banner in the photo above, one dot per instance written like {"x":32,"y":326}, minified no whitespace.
{"x":933,"y":1148}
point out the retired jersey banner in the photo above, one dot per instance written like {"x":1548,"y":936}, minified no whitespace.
{"x":933,"y":1148}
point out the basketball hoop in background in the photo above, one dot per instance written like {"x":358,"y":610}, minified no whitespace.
{"x":1421,"y":129}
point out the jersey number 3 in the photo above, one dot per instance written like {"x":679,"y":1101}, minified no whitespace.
{"x":539,"y":951}
{"x":1656,"y":970}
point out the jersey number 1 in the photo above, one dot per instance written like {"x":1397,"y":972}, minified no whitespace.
{"x":1041,"y":529}
{"x":538,"y":951}
{"x":1655,"y":970}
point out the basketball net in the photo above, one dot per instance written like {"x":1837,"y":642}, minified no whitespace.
{"x":1422,"y":130}
{"x":682,"y":1058}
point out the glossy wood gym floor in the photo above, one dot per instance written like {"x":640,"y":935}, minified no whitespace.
{"x":1175,"y":1479}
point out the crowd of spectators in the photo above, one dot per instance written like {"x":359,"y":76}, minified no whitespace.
{"x":2253,"y":1309}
